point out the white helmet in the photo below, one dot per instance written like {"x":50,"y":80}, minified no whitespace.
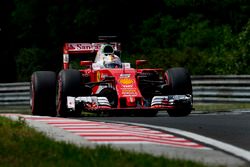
{"x":112,"y":61}
{"x":106,"y":58}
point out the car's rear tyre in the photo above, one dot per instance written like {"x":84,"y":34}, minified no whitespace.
{"x":69,"y":84}
{"x":43,"y":93}
{"x":179,"y":82}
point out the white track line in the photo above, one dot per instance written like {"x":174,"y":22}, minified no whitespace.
{"x":221,"y":145}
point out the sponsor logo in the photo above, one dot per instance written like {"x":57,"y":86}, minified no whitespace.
{"x":129,"y":92}
{"x":127,"y":86}
{"x":124,"y":75}
{"x":84,"y":46}
{"x":80,"y":46}
{"x":126,"y":81}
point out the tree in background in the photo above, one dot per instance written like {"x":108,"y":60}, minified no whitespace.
{"x":199,"y":35}
{"x":206,"y":36}
{"x":243,"y":50}
{"x":7,"y":46}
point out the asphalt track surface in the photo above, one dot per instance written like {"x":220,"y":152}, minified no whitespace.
{"x":229,"y":127}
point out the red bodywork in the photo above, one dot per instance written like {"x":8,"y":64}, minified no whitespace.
{"x":123,"y":80}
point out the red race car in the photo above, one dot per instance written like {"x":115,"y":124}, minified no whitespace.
{"x":106,"y":85}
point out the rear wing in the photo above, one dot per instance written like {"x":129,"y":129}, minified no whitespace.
{"x":70,"y":48}
{"x":84,"y":48}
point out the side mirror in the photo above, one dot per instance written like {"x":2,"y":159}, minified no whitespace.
{"x":85,"y":63}
{"x":140,"y":62}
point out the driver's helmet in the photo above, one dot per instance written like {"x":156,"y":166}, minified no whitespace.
{"x":112,"y":61}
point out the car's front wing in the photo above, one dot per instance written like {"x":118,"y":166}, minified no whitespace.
{"x":94,"y":103}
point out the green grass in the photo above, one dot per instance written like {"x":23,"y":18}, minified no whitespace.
{"x":16,"y":109}
{"x":203,"y":107}
{"x":21,"y":145}
{"x":221,"y":107}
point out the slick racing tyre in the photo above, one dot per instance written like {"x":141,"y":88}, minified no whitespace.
{"x":43,"y":93}
{"x":179,"y":82}
{"x":69,"y":84}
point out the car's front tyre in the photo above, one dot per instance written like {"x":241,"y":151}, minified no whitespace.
{"x":179,"y":83}
{"x":69,"y":84}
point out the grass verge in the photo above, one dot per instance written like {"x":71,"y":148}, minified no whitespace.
{"x":200,"y":107}
{"x":21,"y":145}
{"x":221,"y":107}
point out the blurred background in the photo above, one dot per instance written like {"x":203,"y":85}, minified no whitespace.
{"x":205,"y":36}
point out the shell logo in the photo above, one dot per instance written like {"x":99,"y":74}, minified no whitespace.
{"x":126,"y":81}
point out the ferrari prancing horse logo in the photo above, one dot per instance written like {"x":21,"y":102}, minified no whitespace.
{"x":98,"y":76}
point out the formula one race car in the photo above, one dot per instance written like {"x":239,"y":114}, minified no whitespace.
{"x":107,"y":85}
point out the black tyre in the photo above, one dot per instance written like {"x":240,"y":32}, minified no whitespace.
{"x":69,"y":84}
{"x":43,"y":93}
{"x":179,"y":82}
